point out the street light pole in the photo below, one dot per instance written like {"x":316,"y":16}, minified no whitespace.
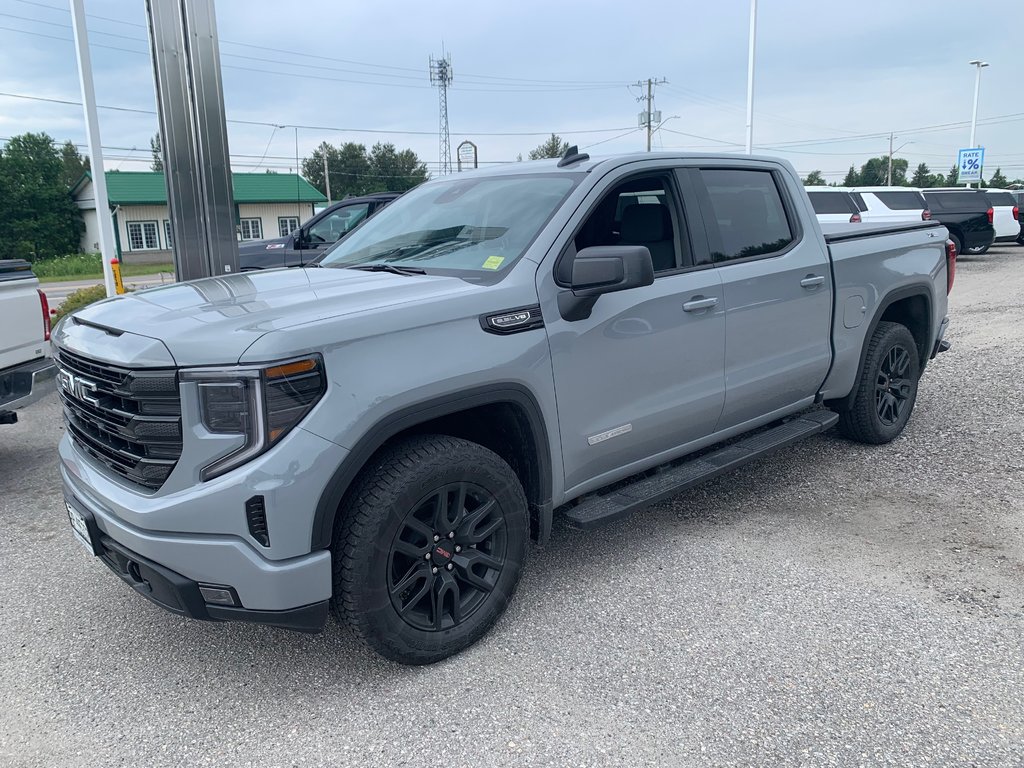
{"x":977,"y":87}
{"x":750,"y":77}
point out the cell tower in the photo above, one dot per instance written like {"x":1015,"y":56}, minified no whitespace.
{"x":441,"y":76}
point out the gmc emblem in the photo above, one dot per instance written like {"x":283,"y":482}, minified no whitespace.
{"x":78,"y":387}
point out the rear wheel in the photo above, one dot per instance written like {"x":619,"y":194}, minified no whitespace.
{"x":957,"y":243}
{"x":979,"y":250}
{"x":887,"y":389}
{"x":430,"y":547}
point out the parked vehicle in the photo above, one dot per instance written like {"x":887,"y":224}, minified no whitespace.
{"x":26,"y":369}
{"x":889,"y":205}
{"x":1005,"y":214}
{"x":306,"y":244}
{"x":385,"y":432}
{"x":967,"y":214}
{"x":833,"y":205}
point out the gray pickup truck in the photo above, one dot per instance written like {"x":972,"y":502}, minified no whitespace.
{"x":382,"y":435}
{"x":26,"y":370}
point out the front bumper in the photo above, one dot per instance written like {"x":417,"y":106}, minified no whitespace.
{"x":182,"y":596}
{"x":27,"y":383}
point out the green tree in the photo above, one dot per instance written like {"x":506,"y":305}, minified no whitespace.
{"x":38,"y":218}
{"x":354,"y":171}
{"x":852,"y":179}
{"x":953,"y":177}
{"x":814,"y":179}
{"x":73,"y":164}
{"x":553,"y":147}
{"x":875,"y":172}
{"x":922,"y":176}
{"x":395,"y":171}
{"x":998,"y":181}
{"x":156,"y":149}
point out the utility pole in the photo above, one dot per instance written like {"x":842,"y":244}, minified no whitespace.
{"x":888,"y":176}
{"x":649,"y":116}
{"x":441,"y":76}
{"x":327,"y":176}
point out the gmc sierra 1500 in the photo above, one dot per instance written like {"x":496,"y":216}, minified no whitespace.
{"x":382,"y":433}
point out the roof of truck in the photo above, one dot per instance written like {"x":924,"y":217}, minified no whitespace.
{"x":550,"y":165}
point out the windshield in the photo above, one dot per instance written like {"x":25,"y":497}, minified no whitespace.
{"x":462,"y":227}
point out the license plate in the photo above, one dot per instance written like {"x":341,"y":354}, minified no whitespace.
{"x":80,"y":528}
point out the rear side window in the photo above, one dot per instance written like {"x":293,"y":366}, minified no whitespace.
{"x":902,"y":201}
{"x":952,"y":201}
{"x":1000,"y":198}
{"x":832,"y":202}
{"x":858,"y":201}
{"x":751,"y":217}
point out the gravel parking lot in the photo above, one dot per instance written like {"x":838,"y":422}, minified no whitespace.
{"x":834,"y":604}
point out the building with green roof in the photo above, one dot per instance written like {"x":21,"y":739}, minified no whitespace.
{"x":266,"y":205}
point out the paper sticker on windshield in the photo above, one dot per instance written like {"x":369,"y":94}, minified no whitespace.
{"x":493,"y":262}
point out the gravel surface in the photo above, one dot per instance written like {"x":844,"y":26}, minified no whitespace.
{"x":834,"y":604}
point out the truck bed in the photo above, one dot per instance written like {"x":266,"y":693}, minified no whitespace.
{"x":836,"y":233}
{"x":23,"y":335}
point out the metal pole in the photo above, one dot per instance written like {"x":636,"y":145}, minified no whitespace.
{"x":650,"y":117}
{"x":974,"y":114}
{"x":92,"y":133}
{"x":327,"y":177}
{"x":750,"y":77}
{"x":888,"y":176}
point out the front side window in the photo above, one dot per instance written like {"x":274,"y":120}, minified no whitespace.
{"x":749,"y":211}
{"x":465,"y":227}
{"x":142,"y":236}
{"x":286,"y":225}
{"x":336,"y":225}
{"x":636,"y":212}
{"x":251,"y":229}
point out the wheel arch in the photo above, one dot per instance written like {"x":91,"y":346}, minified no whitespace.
{"x":505,"y":418}
{"x":910,"y":306}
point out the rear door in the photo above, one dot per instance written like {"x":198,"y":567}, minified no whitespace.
{"x":778,"y":290}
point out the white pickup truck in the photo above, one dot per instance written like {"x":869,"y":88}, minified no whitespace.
{"x":26,"y":370}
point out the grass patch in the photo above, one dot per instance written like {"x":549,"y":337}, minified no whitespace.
{"x":89,"y":266}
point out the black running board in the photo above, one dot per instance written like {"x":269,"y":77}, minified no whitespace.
{"x":615,"y":505}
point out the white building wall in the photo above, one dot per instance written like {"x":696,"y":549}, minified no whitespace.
{"x":157,"y":213}
{"x":268,"y":213}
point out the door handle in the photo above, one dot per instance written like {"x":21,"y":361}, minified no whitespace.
{"x":812,"y":281}
{"x":697,"y":304}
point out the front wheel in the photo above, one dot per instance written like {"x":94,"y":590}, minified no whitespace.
{"x":429,"y":548}
{"x":887,"y":388}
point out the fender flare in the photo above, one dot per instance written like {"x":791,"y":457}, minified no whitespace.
{"x":898,"y":294}
{"x":420,"y":413}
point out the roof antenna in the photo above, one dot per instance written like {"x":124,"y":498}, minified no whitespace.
{"x":572,"y":155}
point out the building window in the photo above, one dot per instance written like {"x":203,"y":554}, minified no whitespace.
{"x":251,"y":229}
{"x":287,"y":224}
{"x":142,"y":236}
{"x":167,"y":234}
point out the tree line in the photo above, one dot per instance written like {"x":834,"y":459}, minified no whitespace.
{"x":875,"y":173}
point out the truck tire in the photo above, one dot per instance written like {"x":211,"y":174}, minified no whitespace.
{"x":887,"y":388}
{"x":978,"y":251}
{"x":429,"y":547}
{"x":958,"y":243}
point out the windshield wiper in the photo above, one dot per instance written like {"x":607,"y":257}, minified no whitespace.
{"x":395,"y":270}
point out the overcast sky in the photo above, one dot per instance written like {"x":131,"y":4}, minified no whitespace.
{"x":832,"y":79}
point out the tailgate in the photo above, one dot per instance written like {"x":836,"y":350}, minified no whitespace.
{"x":22,"y":334}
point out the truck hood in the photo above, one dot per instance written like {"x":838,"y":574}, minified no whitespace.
{"x":214,"y":320}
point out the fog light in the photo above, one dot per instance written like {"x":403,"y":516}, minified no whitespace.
{"x":217,"y":594}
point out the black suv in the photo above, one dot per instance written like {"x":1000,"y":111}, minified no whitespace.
{"x":307,"y":243}
{"x":967,"y":214}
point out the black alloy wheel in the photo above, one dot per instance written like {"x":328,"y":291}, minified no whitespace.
{"x":447,"y":556}
{"x":892,"y":387}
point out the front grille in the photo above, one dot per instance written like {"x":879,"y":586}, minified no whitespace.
{"x":129,"y":420}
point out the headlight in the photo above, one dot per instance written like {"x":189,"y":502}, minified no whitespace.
{"x":261,"y":404}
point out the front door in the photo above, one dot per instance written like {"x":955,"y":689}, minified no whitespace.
{"x":329,"y":230}
{"x":778,"y":292}
{"x":643,"y":374}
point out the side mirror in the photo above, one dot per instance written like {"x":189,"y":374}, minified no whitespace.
{"x":609,"y":268}
{"x":298,"y":242}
